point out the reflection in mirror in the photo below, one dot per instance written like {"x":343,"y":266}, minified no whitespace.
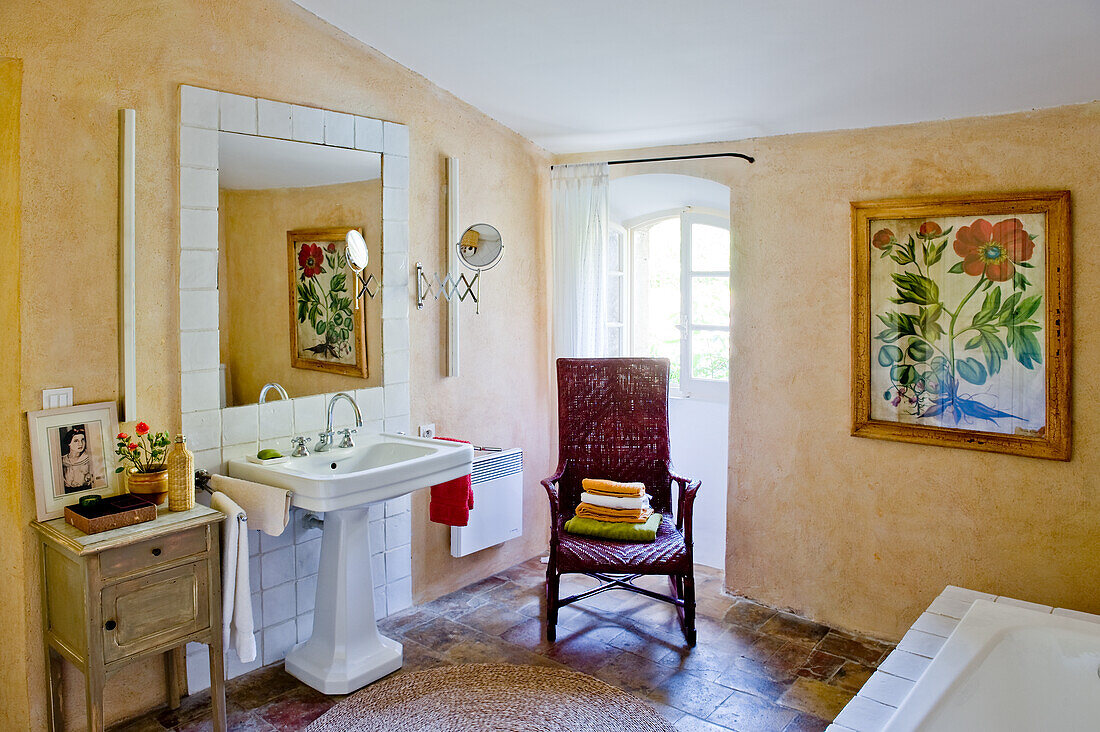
{"x":480,"y":247}
{"x":287,"y":309}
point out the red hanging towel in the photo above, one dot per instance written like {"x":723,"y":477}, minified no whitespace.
{"x":451,"y":501}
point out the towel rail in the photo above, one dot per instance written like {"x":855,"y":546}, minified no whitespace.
{"x":202,"y":483}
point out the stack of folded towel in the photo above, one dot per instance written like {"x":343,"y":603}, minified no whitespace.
{"x":613,"y":510}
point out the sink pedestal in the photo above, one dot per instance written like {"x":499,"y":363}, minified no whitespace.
{"x":346,"y":651}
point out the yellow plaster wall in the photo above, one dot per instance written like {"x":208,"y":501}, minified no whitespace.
{"x":253,"y":284}
{"x":862,"y":533}
{"x":84,"y":61}
{"x":13,"y":676}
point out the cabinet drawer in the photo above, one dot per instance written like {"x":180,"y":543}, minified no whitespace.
{"x":154,"y":610}
{"x":149,"y":554}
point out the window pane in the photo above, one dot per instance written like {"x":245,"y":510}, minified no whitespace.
{"x":710,"y":353}
{"x":615,"y":251}
{"x":710,"y":300}
{"x":710,"y":248}
{"x":615,"y":340}
{"x":614,"y":299}
{"x":656,"y":274}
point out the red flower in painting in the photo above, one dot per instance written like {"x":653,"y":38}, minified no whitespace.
{"x":992,"y":249}
{"x":883,"y":238}
{"x":331,"y":248}
{"x":310,"y":259}
{"x":929,"y":230}
{"x":141,"y":428}
{"x":123,"y":436}
{"x":132,"y":447}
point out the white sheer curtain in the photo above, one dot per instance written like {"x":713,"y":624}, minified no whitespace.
{"x":580,"y":199}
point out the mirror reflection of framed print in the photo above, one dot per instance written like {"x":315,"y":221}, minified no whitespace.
{"x":72,"y":454}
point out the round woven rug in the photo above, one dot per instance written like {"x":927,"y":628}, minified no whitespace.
{"x":491,"y":697}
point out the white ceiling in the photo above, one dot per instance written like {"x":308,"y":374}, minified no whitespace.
{"x":638,"y":195}
{"x":250,"y":163}
{"x":579,"y":75}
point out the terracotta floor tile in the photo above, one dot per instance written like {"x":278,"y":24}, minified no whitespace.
{"x":816,"y":697}
{"x":294,"y":710}
{"x":861,"y":650}
{"x":748,"y":614}
{"x":439,"y":634}
{"x":491,"y":618}
{"x":821,"y":665}
{"x":756,"y":684}
{"x":737,"y":677}
{"x":745,"y":712}
{"x":851,"y":676}
{"x":689,"y":723}
{"x":792,"y":627}
{"x":690,"y":693}
{"x":807,"y":723}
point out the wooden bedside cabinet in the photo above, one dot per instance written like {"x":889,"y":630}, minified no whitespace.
{"x":129,"y":593}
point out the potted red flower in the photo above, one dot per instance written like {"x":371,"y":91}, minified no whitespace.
{"x":142,"y":458}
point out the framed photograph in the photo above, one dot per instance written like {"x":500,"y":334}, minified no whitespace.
{"x":961,"y":329}
{"x":72,"y":454}
{"x":326,"y":330}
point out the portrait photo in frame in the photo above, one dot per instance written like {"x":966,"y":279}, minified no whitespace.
{"x":72,"y":455}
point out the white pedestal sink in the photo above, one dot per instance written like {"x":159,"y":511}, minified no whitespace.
{"x":346,"y":651}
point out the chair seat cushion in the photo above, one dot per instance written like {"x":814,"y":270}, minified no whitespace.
{"x":667,"y":554}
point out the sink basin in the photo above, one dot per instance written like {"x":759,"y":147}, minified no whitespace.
{"x":346,"y":651}
{"x":380,"y":467}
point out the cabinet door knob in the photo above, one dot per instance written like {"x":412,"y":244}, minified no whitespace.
{"x":156,"y":552}
{"x":109,"y":625}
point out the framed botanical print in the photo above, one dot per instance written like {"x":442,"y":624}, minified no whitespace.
{"x":326,"y":329}
{"x":961,"y":322}
{"x":72,"y":455}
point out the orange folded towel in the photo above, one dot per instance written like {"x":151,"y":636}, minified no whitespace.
{"x":612,"y":488}
{"x":614,"y":515}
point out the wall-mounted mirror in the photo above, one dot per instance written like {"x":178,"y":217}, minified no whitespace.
{"x":287,"y":296}
{"x":480,"y":247}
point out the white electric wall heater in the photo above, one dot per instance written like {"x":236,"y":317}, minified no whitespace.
{"x":498,"y":503}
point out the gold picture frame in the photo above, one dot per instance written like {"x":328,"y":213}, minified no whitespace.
{"x":961,"y":322}
{"x":326,"y":329}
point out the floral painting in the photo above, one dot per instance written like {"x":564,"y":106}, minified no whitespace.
{"x":956,"y":333}
{"x":326,"y":328}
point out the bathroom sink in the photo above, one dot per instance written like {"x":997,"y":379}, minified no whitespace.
{"x":345,"y":650}
{"x":380,"y":467}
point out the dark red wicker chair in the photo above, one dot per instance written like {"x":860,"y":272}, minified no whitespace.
{"x":613,"y":424}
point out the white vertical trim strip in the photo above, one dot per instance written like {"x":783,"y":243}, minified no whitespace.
{"x":453,"y":311}
{"x":127,"y":300}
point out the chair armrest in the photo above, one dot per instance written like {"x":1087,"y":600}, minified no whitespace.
{"x":686,"y":503}
{"x":550,"y":484}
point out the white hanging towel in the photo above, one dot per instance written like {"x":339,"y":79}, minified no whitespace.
{"x":237,"y":624}
{"x":268,"y":508}
{"x":641,"y":501}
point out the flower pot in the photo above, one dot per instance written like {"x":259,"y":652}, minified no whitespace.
{"x":152,"y":486}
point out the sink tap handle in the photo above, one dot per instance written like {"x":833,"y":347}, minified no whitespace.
{"x":347,"y":441}
{"x":300,"y":446}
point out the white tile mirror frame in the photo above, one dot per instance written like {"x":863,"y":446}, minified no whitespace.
{"x":284,"y":569}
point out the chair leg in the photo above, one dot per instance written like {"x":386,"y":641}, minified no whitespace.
{"x":689,"y":608}
{"x":552,"y":585}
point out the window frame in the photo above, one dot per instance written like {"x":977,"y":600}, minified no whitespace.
{"x":688,"y":386}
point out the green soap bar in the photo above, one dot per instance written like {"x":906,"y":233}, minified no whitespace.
{"x":268,"y":454}
{"x":616,"y":531}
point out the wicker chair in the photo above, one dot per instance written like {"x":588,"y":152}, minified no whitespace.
{"x":613,"y":424}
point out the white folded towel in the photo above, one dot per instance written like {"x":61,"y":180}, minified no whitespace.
{"x":268,"y":508}
{"x":641,"y":501}
{"x":237,"y":624}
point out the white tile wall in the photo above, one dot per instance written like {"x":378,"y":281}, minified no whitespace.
{"x":871,"y":709}
{"x":283,"y":569}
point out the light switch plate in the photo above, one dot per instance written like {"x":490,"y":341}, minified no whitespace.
{"x":57,"y":398}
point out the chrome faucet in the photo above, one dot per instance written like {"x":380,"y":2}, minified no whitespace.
{"x":269,"y":387}
{"x":328,"y":436}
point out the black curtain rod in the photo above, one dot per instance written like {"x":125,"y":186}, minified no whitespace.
{"x":680,"y":157}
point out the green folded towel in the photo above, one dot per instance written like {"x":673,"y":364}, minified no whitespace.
{"x":615,"y":531}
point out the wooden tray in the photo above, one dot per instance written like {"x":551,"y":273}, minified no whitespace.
{"x":110,"y":513}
